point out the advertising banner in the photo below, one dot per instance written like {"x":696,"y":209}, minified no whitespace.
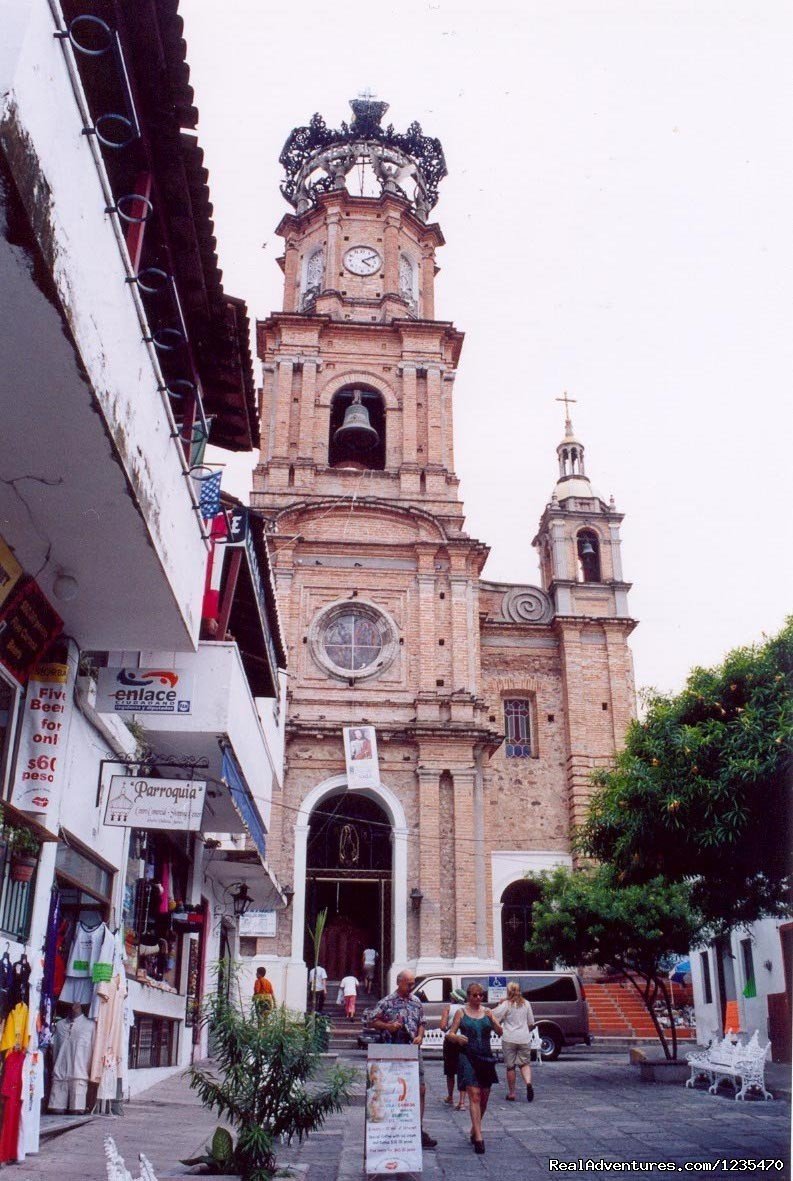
{"x":393,"y":1115}
{"x":44,"y":730}
{"x":10,"y":572}
{"x":144,"y":691}
{"x":360,"y":753}
{"x":137,"y":802}
{"x":28,"y":625}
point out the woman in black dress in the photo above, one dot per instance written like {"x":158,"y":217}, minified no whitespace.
{"x":476,"y":1074}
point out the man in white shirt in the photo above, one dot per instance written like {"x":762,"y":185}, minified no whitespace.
{"x":317,"y":987}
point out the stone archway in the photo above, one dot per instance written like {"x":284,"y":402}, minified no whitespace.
{"x":396,"y":919}
{"x":517,"y":903}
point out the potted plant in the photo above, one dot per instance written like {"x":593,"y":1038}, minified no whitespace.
{"x":259,"y":1087}
{"x":24,"y":847}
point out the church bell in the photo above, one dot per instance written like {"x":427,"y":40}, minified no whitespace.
{"x":356,"y":432}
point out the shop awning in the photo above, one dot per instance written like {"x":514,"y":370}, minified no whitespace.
{"x":243,"y":801}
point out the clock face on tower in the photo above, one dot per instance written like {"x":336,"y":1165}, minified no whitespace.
{"x":362,"y":260}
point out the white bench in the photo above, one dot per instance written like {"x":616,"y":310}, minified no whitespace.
{"x":729,"y":1059}
{"x":433,"y":1040}
{"x":116,"y":1168}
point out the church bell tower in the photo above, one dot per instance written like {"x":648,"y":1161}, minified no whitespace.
{"x":376,"y":579}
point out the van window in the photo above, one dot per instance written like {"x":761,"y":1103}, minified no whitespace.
{"x":548,"y":988}
{"x":434,"y":988}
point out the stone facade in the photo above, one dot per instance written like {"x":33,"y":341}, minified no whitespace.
{"x":383,"y":533}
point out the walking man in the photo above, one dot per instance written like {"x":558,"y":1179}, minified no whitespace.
{"x":401,"y":1016}
{"x":317,"y":987}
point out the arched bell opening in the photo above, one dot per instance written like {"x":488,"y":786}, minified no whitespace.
{"x":357,"y":429}
{"x":349,"y":873}
{"x":517,"y":903}
{"x":588,"y":554}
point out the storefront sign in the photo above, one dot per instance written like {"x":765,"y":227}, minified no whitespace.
{"x":40,"y":769}
{"x":144,"y":690}
{"x":259,"y":923}
{"x":393,"y":1119}
{"x":360,"y":752}
{"x":137,"y":802}
{"x":10,"y":572}
{"x":496,"y":989}
{"x":28,"y":625}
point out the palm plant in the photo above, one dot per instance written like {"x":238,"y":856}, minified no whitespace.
{"x":258,"y":1083}
{"x":316,"y":939}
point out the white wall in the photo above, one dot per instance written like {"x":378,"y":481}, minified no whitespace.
{"x":753,"y":1011}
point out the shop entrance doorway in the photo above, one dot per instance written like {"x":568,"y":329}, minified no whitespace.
{"x":349,"y":873}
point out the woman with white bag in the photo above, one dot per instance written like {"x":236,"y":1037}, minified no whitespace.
{"x":516,"y":1016}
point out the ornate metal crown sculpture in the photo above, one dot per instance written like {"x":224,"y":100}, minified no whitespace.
{"x":316,"y":158}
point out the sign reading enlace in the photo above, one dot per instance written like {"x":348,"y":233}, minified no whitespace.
{"x":393,"y":1111}
{"x":144,"y":690}
{"x":137,"y":802}
{"x":360,"y":752}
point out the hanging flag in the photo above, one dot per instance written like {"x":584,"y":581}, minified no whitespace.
{"x":360,"y":752}
{"x":209,"y":496}
{"x":751,"y":988}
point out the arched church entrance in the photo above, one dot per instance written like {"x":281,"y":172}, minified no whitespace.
{"x":517,"y":903}
{"x":349,"y":872}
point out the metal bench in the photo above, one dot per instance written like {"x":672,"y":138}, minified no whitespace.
{"x":729,"y":1059}
{"x":118,"y":1171}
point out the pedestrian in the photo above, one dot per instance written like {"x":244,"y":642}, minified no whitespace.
{"x":516,"y":1016}
{"x":263,"y":995}
{"x":400,"y":1017}
{"x":369,"y":961}
{"x":471,"y":1028}
{"x":349,"y":990}
{"x":317,"y":987}
{"x":451,"y":1050}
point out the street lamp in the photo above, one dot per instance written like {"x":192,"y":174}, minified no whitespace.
{"x":416,"y":898}
{"x":241,"y":900}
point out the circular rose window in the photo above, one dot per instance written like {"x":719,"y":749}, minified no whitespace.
{"x":353,"y":639}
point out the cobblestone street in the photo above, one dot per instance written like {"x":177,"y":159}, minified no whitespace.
{"x":589,"y":1105}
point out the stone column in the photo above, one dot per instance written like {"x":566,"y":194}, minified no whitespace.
{"x":465,"y":904}
{"x":283,"y":407}
{"x":458,"y":578}
{"x":267,"y":413}
{"x":480,"y":859}
{"x":334,"y":250}
{"x":409,"y":413}
{"x":434,"y":396}
{"x":427,"y":637}
{"x":429,"y":863}
{"x":291,"y":276}
{"x":308,"y":393}
{"x":427,"y":282}
{"x":447,"y":419}
{"x":391,"y":254}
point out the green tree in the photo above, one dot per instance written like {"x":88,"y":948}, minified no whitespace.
{"x":703,"y":789}
{"x":261,"y":1066}
{"x":586,"y":917}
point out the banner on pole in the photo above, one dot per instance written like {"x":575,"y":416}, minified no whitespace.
{"x":393,"y":1111}
{"x":40,"y":769}
{"x":360,"y":753}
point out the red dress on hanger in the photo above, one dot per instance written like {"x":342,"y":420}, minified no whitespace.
{"x":11,"y":1090}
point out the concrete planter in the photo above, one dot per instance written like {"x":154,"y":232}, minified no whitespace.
{"x":659,"y":1070}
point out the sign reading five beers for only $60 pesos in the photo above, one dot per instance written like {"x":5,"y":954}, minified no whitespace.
{"x":144,"y":690}
{"x":360,"y":753}
{"x":137,"y":802}
{"x":393,"y":1114}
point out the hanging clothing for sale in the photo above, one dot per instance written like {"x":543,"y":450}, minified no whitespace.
{"x":15,"y":1031}
{"x":72,"y":1043}
{"x":109,"y":1041}
{"x":90,"y":961}
{"x":47,"y":996}
{"x":6,"y":977}
{"x":62,"y":946}
{"x":20,"y":982}
{"x":11,"y":1091}
{"x":32,"y":1095}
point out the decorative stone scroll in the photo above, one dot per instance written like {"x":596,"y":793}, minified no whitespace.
{"x":526,"y":604}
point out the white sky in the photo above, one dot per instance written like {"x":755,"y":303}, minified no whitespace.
{"x":617,"y":214}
